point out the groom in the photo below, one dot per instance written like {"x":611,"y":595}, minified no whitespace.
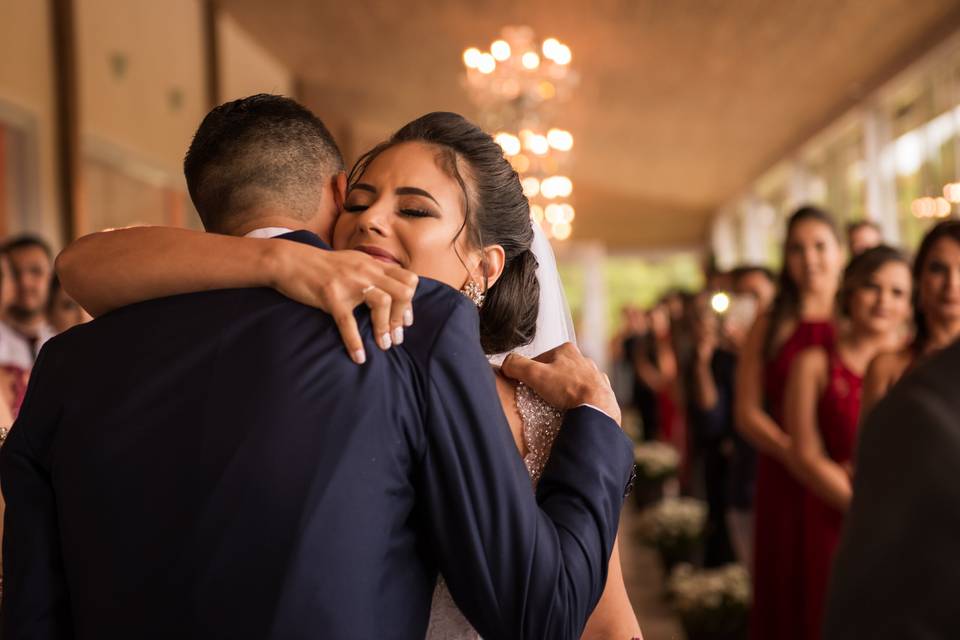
{"x":214,"y":466}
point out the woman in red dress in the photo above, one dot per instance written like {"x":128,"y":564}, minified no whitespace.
{"x":822,"y":408}
{"x":936,"y":309}
{"x":801,"y":317}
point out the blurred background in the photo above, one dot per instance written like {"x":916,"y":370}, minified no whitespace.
{"x":662,"y":144}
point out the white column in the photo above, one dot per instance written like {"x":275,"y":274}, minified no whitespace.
{"x":880,"y":174}
{"x":723,"y":241}
{"x":756,"y":217}
{"x":592,"y":336}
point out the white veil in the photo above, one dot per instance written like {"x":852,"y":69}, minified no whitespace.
{"x":554,"y":322}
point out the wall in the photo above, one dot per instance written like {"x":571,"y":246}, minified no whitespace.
{"x":142,"y":94}
{"x":27,"y":95}
{"x":246,"y":67}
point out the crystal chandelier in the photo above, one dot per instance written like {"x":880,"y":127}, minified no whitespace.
{"x":518,"y":87}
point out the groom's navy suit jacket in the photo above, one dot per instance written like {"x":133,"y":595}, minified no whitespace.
{"x":214,"y":466}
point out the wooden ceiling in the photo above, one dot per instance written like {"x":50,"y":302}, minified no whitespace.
{"x":681,"y":102}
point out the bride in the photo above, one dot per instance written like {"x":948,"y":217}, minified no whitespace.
{"x":438,"y":199}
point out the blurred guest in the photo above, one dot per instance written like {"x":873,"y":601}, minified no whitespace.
{"x":656,"y":368}
{"x":711,"y":422}
{"x":716,"y":279}
{"x":822,"y":407}
{"x":63,"y":311}
{"x":755,"y":282}
{"x":863,"y":235}
{"x":801,"y":316}
{"x":640,"y":348}
{"x":936,"y":309}
{"x":10,"y":380}
{"x":16,"y":359}
{"x":897,"y":571}
{"x":754,"y":288}
{"x":31,"y":264}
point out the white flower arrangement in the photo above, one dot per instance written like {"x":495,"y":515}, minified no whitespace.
{"x":693,"y":591}
{"x":656,"y":460}
{"x":673,"y":521}
{"x":711,"y":602}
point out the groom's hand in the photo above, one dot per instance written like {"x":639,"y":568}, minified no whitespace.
{"x":340,"y":281}
{"x":565,"y":378}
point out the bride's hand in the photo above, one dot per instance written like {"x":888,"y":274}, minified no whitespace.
{"x":339,"y":281}
{"x":565,"y":378}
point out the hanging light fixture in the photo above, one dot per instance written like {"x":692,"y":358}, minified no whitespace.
{"x":518,"y":87}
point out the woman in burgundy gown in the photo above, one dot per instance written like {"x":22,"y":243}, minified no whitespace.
{"x":822,"y":408}
{"x":801,"y":317}
{"x":936,"y":311}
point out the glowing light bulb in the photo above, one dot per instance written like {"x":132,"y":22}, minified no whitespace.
{"x":560,"y":140}
{"x":471,"y":58}
{"x":942,"y":207}
{"x":487,"y":63}
{"x":538,"y":145}
{"x":548,"y":188}
{"x":530,"y":60}
{"x":531,"y":187}
{"x":509,"y":143}
{"x":553,"y":213}
{"x":720,"y":302}
{"x":567,"y":212}
{"x":500,"y":50}
{"x":561,"y":230}
{"x":536,"y":212}
{"x":550,"y":46}
{"x":952,"y":192}
{"x":563,"y":186}
{"x":563,"y":55}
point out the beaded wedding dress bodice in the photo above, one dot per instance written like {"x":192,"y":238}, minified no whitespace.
{"x":541,"y":423}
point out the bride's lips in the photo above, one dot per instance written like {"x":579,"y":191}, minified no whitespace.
{"x":378,"y":254}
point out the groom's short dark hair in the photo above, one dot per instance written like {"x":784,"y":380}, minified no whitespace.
{"x":257,"y":151}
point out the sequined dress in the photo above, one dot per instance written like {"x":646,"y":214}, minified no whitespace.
{"x":541,"y":423}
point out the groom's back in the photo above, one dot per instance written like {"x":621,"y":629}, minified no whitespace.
{"x":222,"y":470}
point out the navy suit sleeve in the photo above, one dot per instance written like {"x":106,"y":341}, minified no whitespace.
{"x":516,"y":568}
{"x":35,"y":602}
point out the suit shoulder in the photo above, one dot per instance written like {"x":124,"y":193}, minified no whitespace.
{"x":442,"y":315}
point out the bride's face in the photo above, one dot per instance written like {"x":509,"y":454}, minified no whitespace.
{"x":406,"y":209}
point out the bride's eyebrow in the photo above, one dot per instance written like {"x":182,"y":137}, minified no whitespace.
{"x":363,"y":186}
{"x":414,"y":191}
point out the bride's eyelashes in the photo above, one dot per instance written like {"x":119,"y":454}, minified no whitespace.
{"x":408,"y":212}
{"x":417,"y":213}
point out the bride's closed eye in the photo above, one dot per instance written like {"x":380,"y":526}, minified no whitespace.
{"x":410,"y":212}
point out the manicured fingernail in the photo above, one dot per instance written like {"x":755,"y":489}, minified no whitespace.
{"x":385,"y":342}
{"x":359,"y":356}
{"x":398,"y":335}
{"x":408,"y":318}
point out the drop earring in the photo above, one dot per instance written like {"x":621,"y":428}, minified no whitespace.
{"x":473,"y":291}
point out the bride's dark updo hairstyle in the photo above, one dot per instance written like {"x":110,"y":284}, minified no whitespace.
{"x":497,"y":212}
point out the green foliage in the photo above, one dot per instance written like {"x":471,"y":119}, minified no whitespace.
{"x":632,"y":280}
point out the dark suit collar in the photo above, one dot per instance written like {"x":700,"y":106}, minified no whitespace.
{"x":306,"y":237}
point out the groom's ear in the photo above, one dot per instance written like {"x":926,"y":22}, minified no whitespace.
{"x":338,"y":183}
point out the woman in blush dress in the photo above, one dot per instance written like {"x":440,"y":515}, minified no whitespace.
{"x":439,"y":199}
{"x":936,"y":309}
{"x":801,"y":317}
{"x":822,"y":408}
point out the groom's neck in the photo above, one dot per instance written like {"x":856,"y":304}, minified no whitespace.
{"x":286,"y":221}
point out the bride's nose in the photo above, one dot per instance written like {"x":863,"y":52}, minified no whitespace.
{"x":375,"y":220}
